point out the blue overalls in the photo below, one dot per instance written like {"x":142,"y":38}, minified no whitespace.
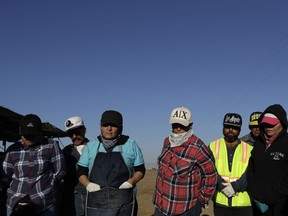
{"x":110,"y":171}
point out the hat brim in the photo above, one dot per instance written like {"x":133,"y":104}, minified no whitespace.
{"x":253,"y":123}
{"x":75,"y":127}
{"x":180,"y":121}
{"x":271,"y":121}
{"x":231,"y":124}
{"x":29,"y":132}
{"x":112,"y":123}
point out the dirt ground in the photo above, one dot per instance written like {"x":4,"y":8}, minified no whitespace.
{"x":145,"y":193}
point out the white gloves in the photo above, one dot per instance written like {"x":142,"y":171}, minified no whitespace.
{"x":228,"y":190}
{"x":125,"y":185}
{"x":206,"y":206}
{"x":92,"y":187}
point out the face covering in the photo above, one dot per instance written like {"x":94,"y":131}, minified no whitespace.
{"x":269,"y":140}
{"x":178,"y":139}
{"x":110,"y":143}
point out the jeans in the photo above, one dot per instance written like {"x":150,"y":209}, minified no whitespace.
{"x":194,"y":211}
{"x":235,"y":211}
{"x":80,"y":202}
{"x":48,"y":212}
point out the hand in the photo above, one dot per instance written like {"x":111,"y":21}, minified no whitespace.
{"x":92,"y":187}
{"x":125,"y":185}
{"x":206,"y":206}
{"x":228,"y":190}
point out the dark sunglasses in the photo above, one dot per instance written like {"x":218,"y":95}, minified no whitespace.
{"x":176,"y":125}
{"x":266,"y":125}
{"x":77,"y":132}
{"x":30,"y":137}
{"x":253,"y":126}
{"x":232,"y":127}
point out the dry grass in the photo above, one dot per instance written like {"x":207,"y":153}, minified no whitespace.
{"x":145,"y":194}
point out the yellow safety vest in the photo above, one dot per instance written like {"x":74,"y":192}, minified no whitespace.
{"x":239,"y":165}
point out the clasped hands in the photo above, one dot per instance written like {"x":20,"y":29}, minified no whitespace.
{"x":93,"y":187}
{"x":228,"y":190}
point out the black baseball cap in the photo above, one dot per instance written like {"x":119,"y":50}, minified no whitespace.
{"x":30,"y":125}
{"x":112,"y":117}
{"x":232,"y":119}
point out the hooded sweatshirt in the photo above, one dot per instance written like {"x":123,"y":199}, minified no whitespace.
{"x":267,"y":172}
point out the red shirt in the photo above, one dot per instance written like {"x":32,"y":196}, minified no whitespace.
{"x":186,"y":174}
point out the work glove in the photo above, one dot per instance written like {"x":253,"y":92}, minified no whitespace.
{"x":92,"y":187}
{"x":125,"y":185}
{"x":228,"y":190}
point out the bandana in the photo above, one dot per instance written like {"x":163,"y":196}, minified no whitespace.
{"x":178,"y":139}
{"x":110,"y":143}
{"x":269,"y":140}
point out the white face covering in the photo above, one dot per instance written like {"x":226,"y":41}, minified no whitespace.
{"x":178,"y":139}
{"x":80,"y":148}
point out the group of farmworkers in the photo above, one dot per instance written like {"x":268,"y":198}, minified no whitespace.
{"x":243,"y":176}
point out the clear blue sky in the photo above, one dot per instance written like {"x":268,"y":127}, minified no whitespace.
{"x":143,"y":58}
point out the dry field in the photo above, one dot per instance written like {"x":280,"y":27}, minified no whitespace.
{"x":145,"y":193}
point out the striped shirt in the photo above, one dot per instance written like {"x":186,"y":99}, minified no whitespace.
{"x":33,"y":171}
{"x":186,"y":175}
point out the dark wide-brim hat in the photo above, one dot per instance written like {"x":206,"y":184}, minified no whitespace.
{"x":30,"y":125}
{"x":112,"y":117}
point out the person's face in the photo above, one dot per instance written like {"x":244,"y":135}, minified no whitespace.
{"x":231,"y":133}
{"x":271,"y":130}
{"x":30,"y":140}
{"x":178,"y":128}
{"x":77,"y":135}
{"x":109,"y":131}
{"x":255,"y":130}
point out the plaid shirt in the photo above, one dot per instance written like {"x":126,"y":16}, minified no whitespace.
{"x":186,"y":175}
{"x":33,"y":171}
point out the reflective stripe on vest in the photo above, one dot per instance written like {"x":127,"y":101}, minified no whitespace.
{"x":244,"y":150}
{"x":239,"y":165}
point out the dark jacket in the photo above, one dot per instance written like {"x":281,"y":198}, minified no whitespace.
{"x":267,"y":172}
{"x":71,"y":182}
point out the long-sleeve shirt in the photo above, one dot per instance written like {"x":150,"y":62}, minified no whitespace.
{"x":248,"y":139}
{"x":33,"y":171}
{"x":186,"y":175}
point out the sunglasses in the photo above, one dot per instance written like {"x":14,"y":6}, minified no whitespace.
{"x":232,"y":127}
{"x":266,"y":125}
{"x":77,"y":132}
{"x":176,"y":125}
{"x":30,"y":137}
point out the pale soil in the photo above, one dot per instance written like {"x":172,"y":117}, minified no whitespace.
{"x":145,"y":193}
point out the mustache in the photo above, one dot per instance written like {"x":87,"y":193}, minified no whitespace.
{"x":76,"y":139}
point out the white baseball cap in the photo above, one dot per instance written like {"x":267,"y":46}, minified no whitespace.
{"x":73,"y":122}
{"x":181,"y":115}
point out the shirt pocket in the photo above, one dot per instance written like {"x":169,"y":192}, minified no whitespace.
{"x":183,"y":167}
